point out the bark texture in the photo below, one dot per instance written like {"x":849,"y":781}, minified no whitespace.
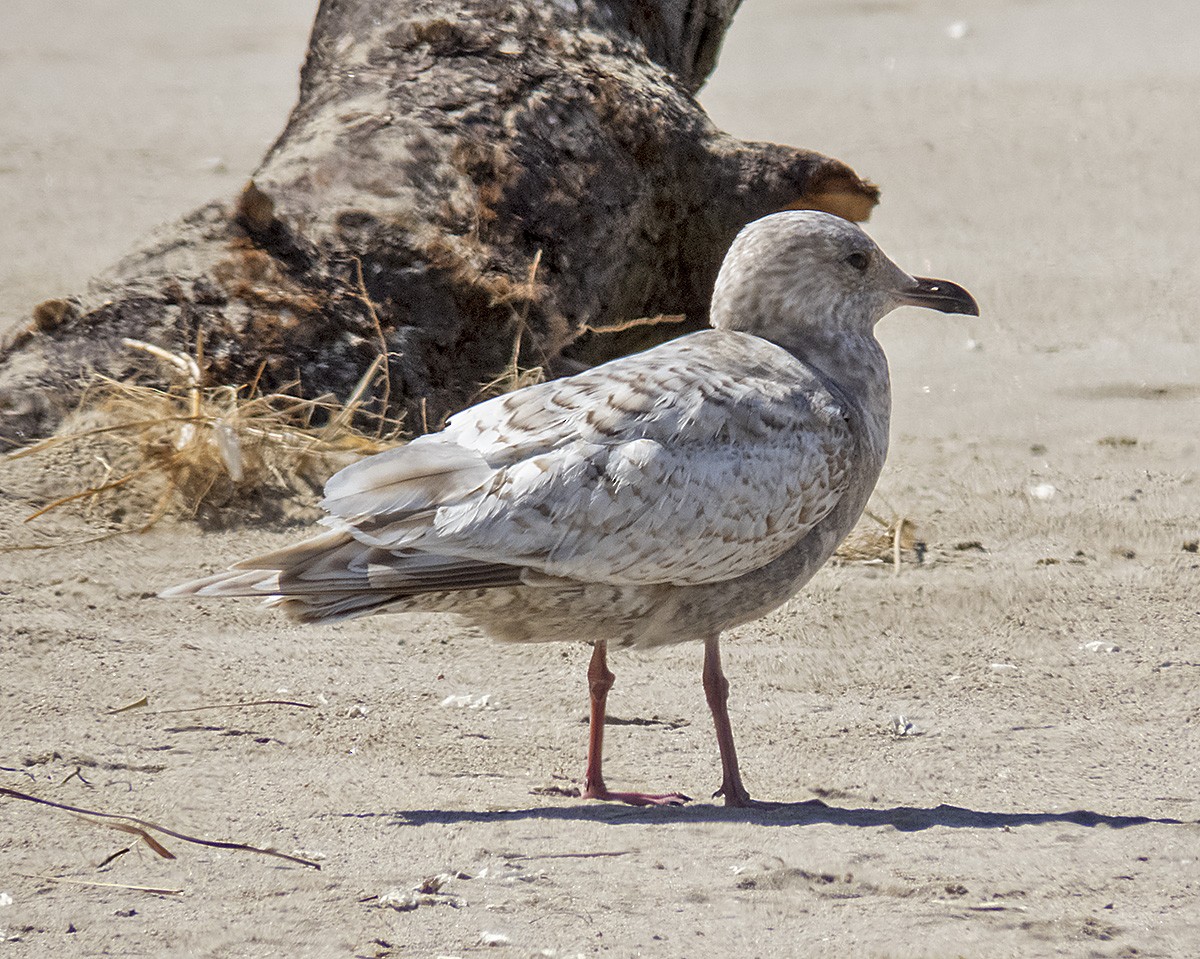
{"x":461,"y":182}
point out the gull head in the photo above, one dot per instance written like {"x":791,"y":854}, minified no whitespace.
{"x":802,"y":274}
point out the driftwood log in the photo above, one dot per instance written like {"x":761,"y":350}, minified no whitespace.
{"x":464,"y":186}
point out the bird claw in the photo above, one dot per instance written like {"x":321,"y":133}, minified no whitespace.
{"x":738,"y":798}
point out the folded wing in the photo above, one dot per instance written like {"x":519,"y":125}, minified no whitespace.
{"x":692,"y":463}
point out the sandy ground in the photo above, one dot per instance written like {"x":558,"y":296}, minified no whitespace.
{"x":1047,"y":655}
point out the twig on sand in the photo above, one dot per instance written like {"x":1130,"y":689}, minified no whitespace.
{"x":138,"y":827}
{"x":107,"y":885}
{"x":256,"y":702}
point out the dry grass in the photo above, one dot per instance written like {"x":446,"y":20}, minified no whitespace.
{"x":514,"y":376}
{"x":190,"y":448}
{"x":877,"y":540}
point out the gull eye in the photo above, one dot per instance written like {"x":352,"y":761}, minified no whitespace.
{"x":859,"y":260}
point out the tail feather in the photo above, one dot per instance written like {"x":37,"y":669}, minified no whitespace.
{"x":337,"y":607}
{"x":333,"y":577}
{"x":231,"y":582}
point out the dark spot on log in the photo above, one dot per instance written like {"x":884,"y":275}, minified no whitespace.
{"x":355,"y":223}
{"x":440,"y":34}
{"x":255,"y":213}
{"x":206,"y":293}
{"x":51,"y":314}
{"x":173,"y":292}
{"x":842,"y":195}
{"x":255,"y":210}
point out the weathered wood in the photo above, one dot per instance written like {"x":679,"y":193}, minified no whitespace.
{"x":459,"y":179}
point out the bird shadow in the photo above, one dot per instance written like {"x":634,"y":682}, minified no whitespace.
{"x":810,"y":813}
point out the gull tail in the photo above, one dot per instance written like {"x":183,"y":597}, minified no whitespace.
{"x":334,"y":577}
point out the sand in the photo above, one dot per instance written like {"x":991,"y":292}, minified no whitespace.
{"x":1042,"y":664}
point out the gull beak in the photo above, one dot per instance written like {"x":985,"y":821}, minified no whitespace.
{"x":938,"y":295}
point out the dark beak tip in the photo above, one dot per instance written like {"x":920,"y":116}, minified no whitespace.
{"x":969,"y":307}
{"x":942,"y":295}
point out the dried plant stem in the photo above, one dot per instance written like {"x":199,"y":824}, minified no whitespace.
{"x":185,"y":364}
{"x":897,"y":544}
{"x":256,"y":702}
{"x":51,"y":442}
{"x":132,"y":824}
{"x":640,"y":321}
{"x":90,"y":491}
{"x":341,"y":419}
{"x":365,"y":298}
{"x":86,"y":541}
{"x":153,"y":890}
{"x":527,"y":293}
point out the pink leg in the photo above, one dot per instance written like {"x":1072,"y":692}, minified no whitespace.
{"x":716,"y":691}
{"x":600,"y":681}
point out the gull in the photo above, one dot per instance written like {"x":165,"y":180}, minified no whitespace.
{"x":660,"y":498}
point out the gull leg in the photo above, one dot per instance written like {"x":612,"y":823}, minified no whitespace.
{"x":600,"y":681}
{"x":716,"y":691}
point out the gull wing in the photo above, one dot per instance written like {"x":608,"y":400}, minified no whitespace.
{"x":695,"y":462}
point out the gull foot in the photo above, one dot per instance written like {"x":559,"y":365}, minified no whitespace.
{"x":636,"y":799}
{"x":740,"y":799}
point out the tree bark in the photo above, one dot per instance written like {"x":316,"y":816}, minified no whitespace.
{"x":462,"y":183}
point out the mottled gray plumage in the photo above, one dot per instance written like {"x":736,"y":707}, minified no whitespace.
{"x":662,"y":497}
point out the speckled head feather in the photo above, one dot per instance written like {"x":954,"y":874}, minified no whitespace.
{"x":801,"y":275}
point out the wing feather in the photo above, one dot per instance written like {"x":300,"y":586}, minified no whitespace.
{"x":695,"y":462}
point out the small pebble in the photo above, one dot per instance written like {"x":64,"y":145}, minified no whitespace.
{"x":468,"y":700}
{"x":901,"y":726}
{"x":402,"y":900}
